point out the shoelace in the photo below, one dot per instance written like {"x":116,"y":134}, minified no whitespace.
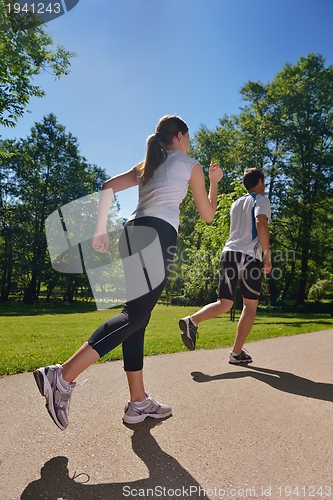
{"x":65,"y":397}
{"x":81,"y":474}
{"x":245,"y":353}
{"x":151,"y":404}
{"x":151,"y":407}
{"x":80,"y":383}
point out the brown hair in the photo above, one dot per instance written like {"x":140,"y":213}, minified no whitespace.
{"x":165,"y":131}
{"x":251,"y":177}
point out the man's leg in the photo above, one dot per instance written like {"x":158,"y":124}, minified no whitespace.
{"x":189,"y":324}
{"x":212,"y":310}
{"x":228,"y":277}
{"x":245,"y":323}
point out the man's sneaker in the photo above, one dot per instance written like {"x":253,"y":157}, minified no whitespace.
{"x":136,"y":412}
{"x":190,"y":332}
{"x":57,"y":396}
{"x":236,"y":359}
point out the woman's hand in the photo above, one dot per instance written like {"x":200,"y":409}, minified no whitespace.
{"x":100,"y":242}
{"x":215,"y":172}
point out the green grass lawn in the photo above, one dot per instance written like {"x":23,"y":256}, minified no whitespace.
{"x":41,"y":335}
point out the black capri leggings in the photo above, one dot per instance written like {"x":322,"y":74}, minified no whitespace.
{"x":128,"y":327}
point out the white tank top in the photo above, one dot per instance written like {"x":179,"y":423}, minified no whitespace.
{"x":161,"y":196}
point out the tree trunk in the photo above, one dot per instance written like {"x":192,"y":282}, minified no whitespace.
{"x":301,"y":296}
{"x":305,"y":245}
{"x":7,"y":264}
{"x":30,"y":293}
{"x":70,"y":291}
{"x":273,"y":291}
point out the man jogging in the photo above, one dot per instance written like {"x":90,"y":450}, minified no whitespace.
{"x":247,"y":246}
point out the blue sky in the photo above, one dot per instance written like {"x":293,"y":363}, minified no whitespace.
{"x":138,"y":60}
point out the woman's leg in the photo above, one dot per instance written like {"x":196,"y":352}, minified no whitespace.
{"x":108,"y":336}
{"x":56,"y":383}
{"x":128,"y":327}
{"x":140,"y":404}
{"x":135,"y":385}
{"x":80,"y":361}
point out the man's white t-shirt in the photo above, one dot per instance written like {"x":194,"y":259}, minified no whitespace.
{"x":163,"y":193}
{"x":243,"y":232}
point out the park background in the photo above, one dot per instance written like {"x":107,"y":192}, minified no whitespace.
{"x":254,"y":81}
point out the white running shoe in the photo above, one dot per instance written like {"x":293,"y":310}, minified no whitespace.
{"x":135,"y":412}
{"x":57,"y":398}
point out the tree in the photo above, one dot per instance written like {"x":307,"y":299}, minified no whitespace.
{"x":9,"y":231}
{"x":322,"y":289}
{"x":49,"y":172}
{"x":284,"y":128}
{"x":286,"y":131}
{"x":198,"y":262}
{"x":24,"y":54}
{"x":305,"y":93}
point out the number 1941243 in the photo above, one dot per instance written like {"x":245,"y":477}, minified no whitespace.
{"x":34,"y":8}
{"x":305,"y":491}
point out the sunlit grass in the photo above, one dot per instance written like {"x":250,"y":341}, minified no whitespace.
{"x":35,"y":336}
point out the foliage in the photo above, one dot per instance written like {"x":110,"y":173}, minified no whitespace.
{"x":284,"y":128}
{"x":200,"y":261}
{"x":24,"y":54}
{"x":322,"y":289}
{"x":41,"y":173}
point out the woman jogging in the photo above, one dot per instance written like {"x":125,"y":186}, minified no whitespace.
{"x":163,"y":180}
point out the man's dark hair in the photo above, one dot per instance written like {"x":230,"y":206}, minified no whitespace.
{"x":251,"y":177}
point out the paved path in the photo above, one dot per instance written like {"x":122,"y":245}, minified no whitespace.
{"x":235,"y":433}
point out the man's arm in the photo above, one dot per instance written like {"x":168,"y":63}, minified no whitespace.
{"x":263,"y":236}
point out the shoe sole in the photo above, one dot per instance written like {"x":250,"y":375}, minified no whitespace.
{"x":141,"y":418}
{"x":187,"y":341}
{"x":45,"y":389}
{"x":240,"y":362}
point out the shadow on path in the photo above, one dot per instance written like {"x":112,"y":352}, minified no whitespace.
{"x":167,"y":478}
{"x":283,"y":381}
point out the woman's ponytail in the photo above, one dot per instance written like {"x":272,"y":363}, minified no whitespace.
{"x":155,"y":156}
{"x":166,"y":129}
